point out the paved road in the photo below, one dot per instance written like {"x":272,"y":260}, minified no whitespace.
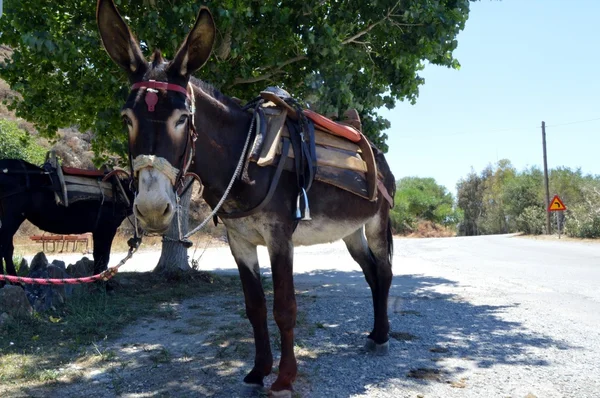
{"x":495,"y":316}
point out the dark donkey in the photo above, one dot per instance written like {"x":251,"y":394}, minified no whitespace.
{"x":26,"y":194}
{"x":165,"y":107}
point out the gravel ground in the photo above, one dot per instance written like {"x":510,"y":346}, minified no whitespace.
{"x":479,"y":317}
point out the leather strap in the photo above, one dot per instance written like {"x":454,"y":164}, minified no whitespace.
{"x":160,"y":85}
{"x":270,"y":192}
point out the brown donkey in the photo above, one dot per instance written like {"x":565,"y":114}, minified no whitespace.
{"x":167,"y":111}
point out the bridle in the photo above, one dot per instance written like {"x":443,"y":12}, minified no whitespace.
{"x":176,"y":175}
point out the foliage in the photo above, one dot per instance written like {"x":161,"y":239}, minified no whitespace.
{"x":470,"y":200}
{"x":531,"y":220}
{"x":501,"y":200}
{"x":422,"y":199}
{"x":525,"y":190}
{"x":333,"y":55}
{"x":583,"y":219}
{"x":494,"y":218}
{"x":18,"y":144}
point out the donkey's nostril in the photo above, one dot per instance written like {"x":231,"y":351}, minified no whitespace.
{"x":167,"y":209}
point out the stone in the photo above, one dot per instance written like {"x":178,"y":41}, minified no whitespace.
{"x":60,"y":292}
{"x":13,"y":301}
{"x":39,"y":262}
{"x":23,"y":267}
{"x":4,"y":317}
{"x":83,"y":267}
{"x":59,"y":264}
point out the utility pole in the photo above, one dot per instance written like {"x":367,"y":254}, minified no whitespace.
{"x":546,"y":179}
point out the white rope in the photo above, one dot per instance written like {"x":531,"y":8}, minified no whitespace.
{"x":228,"y":189}
{"x":160,"y":164}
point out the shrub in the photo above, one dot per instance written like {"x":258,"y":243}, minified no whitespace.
{"x":18,"y":144}
{"x":531,"y":221}
{"x":582,"y":222}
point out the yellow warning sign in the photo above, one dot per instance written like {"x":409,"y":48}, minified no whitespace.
{"x":556,"y":204}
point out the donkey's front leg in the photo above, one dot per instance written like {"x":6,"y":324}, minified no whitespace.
{"x":281,"y":254}
{"x":246,"y":258}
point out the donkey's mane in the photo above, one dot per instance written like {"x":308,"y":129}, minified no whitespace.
{"x":215,"y":93}
{"x":157,"y":71}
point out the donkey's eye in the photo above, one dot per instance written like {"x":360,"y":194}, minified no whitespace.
{"x":127,"y":120}
{"x":181,"y":120}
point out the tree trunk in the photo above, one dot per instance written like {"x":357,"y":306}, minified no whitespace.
{"x":174,"y":255}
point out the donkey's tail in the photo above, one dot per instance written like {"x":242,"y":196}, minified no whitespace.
{"x":390,"y":241}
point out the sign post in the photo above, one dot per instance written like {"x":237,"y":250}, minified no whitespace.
{"x":556,"y":204}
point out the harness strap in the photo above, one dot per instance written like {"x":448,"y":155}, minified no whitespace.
{"x":160,"y":164}
{"x":153,"y":84}
{"x":270,"y":192}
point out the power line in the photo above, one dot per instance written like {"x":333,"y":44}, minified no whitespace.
{"x":576,"y":122}
{"x":458,"y":133}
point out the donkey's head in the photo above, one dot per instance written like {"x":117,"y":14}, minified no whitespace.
{"x":159,"y":112}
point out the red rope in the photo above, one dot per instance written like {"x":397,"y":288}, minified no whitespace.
{"x":104,"y":276}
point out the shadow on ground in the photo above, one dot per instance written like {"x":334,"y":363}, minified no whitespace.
{"x":204,"y":347}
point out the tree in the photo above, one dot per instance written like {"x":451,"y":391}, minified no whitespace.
{"x":422,"y":199}
{"x":332,"y":55}
{"x":470,"y":191}
{"x":496,"y":178}
{"x":174,"y":255}
{"x":523,"y":198}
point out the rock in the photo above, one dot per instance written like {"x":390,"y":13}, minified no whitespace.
{"x":23,"y":267}
{"x":13,"y":301}
{"x":59,"y":264}
{"x":39,"y":262}
{"x":61,"y":292}
{"x":83,"y":267}
{"x":4,"y":317}
{"x":44,"y":297}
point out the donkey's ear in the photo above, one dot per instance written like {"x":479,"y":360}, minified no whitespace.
{"x":117,"y":38}
{"x":196,"y":48}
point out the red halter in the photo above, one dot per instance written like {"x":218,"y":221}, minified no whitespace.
{"x":151,"y":97}
{"x":151,"y":101}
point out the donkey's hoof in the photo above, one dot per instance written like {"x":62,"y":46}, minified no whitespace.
{"x":251,"y":389}
{"x":377,"y":349}
{"x":370,"y":345}
{"x":281,"y":394}
{"x":254,"y":379}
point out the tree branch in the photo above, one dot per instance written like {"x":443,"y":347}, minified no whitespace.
{"x":275,"y":69}
{"x":370,"y":27}
{"x":271,"y":70}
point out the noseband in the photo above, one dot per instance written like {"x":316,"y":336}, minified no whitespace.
{"x":175,"y":175}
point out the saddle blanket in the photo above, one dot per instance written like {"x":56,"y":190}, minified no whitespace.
{"x":340,"y":162}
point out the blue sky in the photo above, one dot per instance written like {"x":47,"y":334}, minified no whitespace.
{"x":522,"y":61}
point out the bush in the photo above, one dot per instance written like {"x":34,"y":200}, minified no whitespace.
{"x":18,"y":144}
{"x":402,"y":221}
{"x":532,"y":220}
{"x":582,"y":222}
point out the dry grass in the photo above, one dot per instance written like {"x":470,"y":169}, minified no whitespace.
{"x":428,"y":229}
{"x":555,"y":238}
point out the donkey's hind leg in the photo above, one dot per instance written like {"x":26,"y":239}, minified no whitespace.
{"x":373,"y":253}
